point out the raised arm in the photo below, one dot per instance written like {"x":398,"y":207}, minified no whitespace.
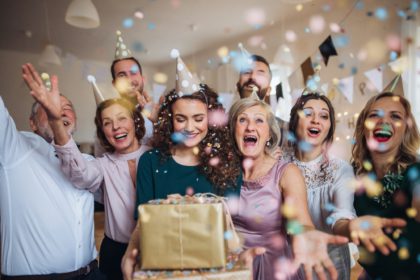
{"x":309,"y":245}
{"x":49,"y":100}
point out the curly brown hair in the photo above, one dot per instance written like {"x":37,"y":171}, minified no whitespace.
{"x":135,"y":112}
{"x":407,"y":153}
{"x":216,"y":144}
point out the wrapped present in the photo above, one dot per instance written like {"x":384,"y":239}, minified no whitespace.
{"x":182,"y":233}
{"x":232,"y":271}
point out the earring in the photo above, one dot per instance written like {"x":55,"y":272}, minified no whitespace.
{"x":268,"y":143}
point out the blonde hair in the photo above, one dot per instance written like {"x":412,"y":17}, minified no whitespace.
{"x":243,"y":104}
{"x":410,"y":143}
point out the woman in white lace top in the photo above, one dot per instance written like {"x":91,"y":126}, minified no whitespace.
{"x":329,"y":179}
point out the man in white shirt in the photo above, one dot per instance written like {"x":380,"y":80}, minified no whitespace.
{"x":46,"y":224}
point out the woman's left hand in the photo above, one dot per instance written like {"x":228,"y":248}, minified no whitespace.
{"x":310,"y":250}
{"x":369,"y":231}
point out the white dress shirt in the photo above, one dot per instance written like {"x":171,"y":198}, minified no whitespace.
{"x":46,"y":223}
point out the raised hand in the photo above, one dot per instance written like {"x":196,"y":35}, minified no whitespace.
{"x":310,"y":250}
{"x":49,"y":99}
{"x":369,"y":231}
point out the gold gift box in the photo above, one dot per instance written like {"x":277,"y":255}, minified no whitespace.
{"x":243,"y":274}
{"x":182,"y":236}
{"x":233,"y":271}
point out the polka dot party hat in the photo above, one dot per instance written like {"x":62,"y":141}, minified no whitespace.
{"x":121,"y":50}
{"x":185,"y":82}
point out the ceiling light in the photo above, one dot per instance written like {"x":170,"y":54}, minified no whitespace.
{"x":82,"y":14}
{"x":49,"y":56}
{"x":294,"y":2}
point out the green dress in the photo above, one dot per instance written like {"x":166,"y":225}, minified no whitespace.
{"x":156,"y":179}
{"x":393,"y":203}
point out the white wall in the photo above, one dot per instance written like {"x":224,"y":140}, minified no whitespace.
{"x":72,"y":83}
{"x":360,"y":29}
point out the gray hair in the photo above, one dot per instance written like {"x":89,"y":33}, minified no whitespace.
{"x":243,"y":104}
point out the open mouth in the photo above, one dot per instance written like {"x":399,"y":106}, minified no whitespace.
{"x":120,"y":136}
{"x":314,"y":131}
{"x":381,"y":135}
{"x":250,"y":139}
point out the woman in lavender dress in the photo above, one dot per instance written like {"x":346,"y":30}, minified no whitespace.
{"x":272,"y":191}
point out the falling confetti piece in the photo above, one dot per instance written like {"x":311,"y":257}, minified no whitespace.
{"x":128,"y":23}
{"x":411,"y":212}
{"x":317,"y":24}
{"x":403,"y":253}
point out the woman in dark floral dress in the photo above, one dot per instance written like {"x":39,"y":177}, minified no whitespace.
{"x":385,"y":160}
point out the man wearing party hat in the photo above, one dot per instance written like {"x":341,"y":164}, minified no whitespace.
{"x":127,"y":78}
{"x":254,"y":72}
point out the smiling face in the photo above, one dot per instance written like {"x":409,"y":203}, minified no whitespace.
{"x":252,"y":132}
{"x":118,"y":127}
{"x":190,"y":119}
{"x":257,"y":76}
{"x":385,"y":125}
{"x":128,"y":79}
{"x":314,"y":123}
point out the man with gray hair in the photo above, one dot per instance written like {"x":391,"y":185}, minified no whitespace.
{"x":46,"y":224}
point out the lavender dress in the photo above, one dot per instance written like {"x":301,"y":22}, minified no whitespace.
{"x":259,"y":221}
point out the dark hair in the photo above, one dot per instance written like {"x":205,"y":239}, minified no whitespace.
{"x":217,"y":142}
{"x":259,"y":58}
{"x":300,"y":103}
{"x":407,"y":153}
{"x":128,"y":58}
{"x":135,"y":112}
{"x":294,"y":121}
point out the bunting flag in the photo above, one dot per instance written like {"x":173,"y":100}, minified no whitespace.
{"x":307,"y":69}
{"x":375,"y":77}
{"x":400,"y":65}
{"x":279,"y":91}
{"x":395,"y":86}
{"x":284,"y":106}
{"x":346,"y":88}
{"x":296,"y":80}
{"x":327,"y":49}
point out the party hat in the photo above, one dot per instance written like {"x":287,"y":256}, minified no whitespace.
{"x":96,"y":92}
{"x":121,"y":50}
{"x":185,"y":82}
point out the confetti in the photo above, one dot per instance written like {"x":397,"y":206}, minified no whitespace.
{"x":317,"y":24}
{"x":255,"y":16}
{"x":381,"y":13}
{"x":178,"y":137}
{"x":305,"y":146}
{"x":128,"y":23}
{"x":290,"y":36}
{"x":222,"y":51}
{"x":160,"y":78}
{"x":403,"y":253}
{"x":411,"y":212}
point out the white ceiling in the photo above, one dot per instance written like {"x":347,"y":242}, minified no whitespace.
{"x":188,"y":25}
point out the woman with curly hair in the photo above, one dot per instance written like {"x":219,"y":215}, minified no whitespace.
{"x":192,"y":153}
{"x":386,"y":143}
{"x":120,"y":127}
